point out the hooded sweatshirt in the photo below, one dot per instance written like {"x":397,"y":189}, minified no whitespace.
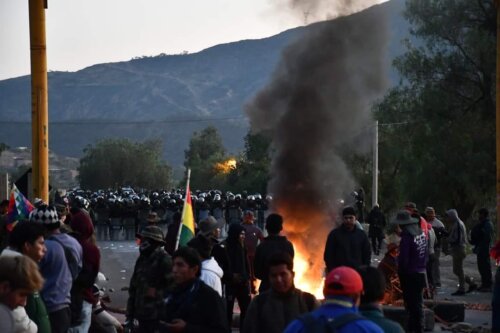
{"x":211,"y":274}
{"x":457,"y":237}
{"x":413,"y":250}
{"x":81,"y":224}
{"x":238,"y":261}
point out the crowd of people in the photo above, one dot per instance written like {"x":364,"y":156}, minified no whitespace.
{"x":49,"y":264}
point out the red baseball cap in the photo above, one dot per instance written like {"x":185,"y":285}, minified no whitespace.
{"x":495,"y":251}
{"x":343,"y":280}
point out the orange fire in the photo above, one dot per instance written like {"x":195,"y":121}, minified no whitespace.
{"x":307,"y":230}
{"x":304,"y":280}
{"x":226,"y":166}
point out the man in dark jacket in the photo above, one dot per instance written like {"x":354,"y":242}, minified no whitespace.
{"x":272,"y":310}
{"x":376,"y":220}
{"x":272,"y":244}
{"x":191,"y":306}
{"x":481,"y":238}
{"x":347,"y":245}
{"x":238,"y":277}
{"x":151,"y":277}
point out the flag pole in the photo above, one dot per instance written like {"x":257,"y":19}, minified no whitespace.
{"x":183,"y":208}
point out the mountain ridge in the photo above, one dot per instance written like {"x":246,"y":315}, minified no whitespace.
{"x":176,"y":94}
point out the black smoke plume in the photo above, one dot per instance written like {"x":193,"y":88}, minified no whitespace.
{"x":318,"y":100}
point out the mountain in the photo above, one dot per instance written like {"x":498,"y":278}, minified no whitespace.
{"x":166,"y":96}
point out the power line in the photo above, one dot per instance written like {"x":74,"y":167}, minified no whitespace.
{"x":124,"y":122}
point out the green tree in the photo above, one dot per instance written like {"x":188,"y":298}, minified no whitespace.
{"x":3,"y":147}
{"x":440,"y":149}
{"x":205,"y":152}
{"x":252,"y":170}
{"x":118,"y":162}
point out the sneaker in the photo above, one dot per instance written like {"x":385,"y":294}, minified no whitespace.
{"x":459,"y":292}
{"x":472,"y":287}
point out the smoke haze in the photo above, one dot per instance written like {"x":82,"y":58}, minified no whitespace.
{"x":317,"y":100}
{"x":319,"y":10}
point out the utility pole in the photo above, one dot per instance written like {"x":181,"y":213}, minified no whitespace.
{"x":375,"y":166}
{"x":497,"y":2}
{"x":39,"y":100}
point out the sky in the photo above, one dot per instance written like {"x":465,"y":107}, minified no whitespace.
{"x":83,"y":33}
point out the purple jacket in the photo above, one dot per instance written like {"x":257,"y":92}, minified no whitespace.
{"x":412,"y":253}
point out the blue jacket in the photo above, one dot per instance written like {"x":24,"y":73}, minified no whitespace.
{"x":75,"y":249}
{"x":333,"y":308}
{"x":58,"y":281}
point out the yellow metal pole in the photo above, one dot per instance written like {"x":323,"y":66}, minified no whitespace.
{"x":498,"y":117}
{"x":39,"y":100}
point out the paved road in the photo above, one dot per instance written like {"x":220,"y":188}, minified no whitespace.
{"x":118,"y":259}
{"x":117,"y":264}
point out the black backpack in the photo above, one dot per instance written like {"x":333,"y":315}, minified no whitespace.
{"x":327,"y":325}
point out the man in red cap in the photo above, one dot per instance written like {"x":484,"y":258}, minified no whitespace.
{"x":339,"y":312}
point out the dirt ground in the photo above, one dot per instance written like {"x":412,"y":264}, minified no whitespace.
{"x":449,"y":284}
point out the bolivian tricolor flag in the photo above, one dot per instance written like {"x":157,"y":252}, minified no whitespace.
{"x":186,"y":230}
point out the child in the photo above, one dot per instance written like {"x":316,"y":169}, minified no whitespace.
{"x":19,"y":277}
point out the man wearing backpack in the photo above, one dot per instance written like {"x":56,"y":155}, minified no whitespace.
{"x":339,"y":312}
{"x":272,"y":310}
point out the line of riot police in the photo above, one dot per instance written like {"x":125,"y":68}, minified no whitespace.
{"x":120,"y":214}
